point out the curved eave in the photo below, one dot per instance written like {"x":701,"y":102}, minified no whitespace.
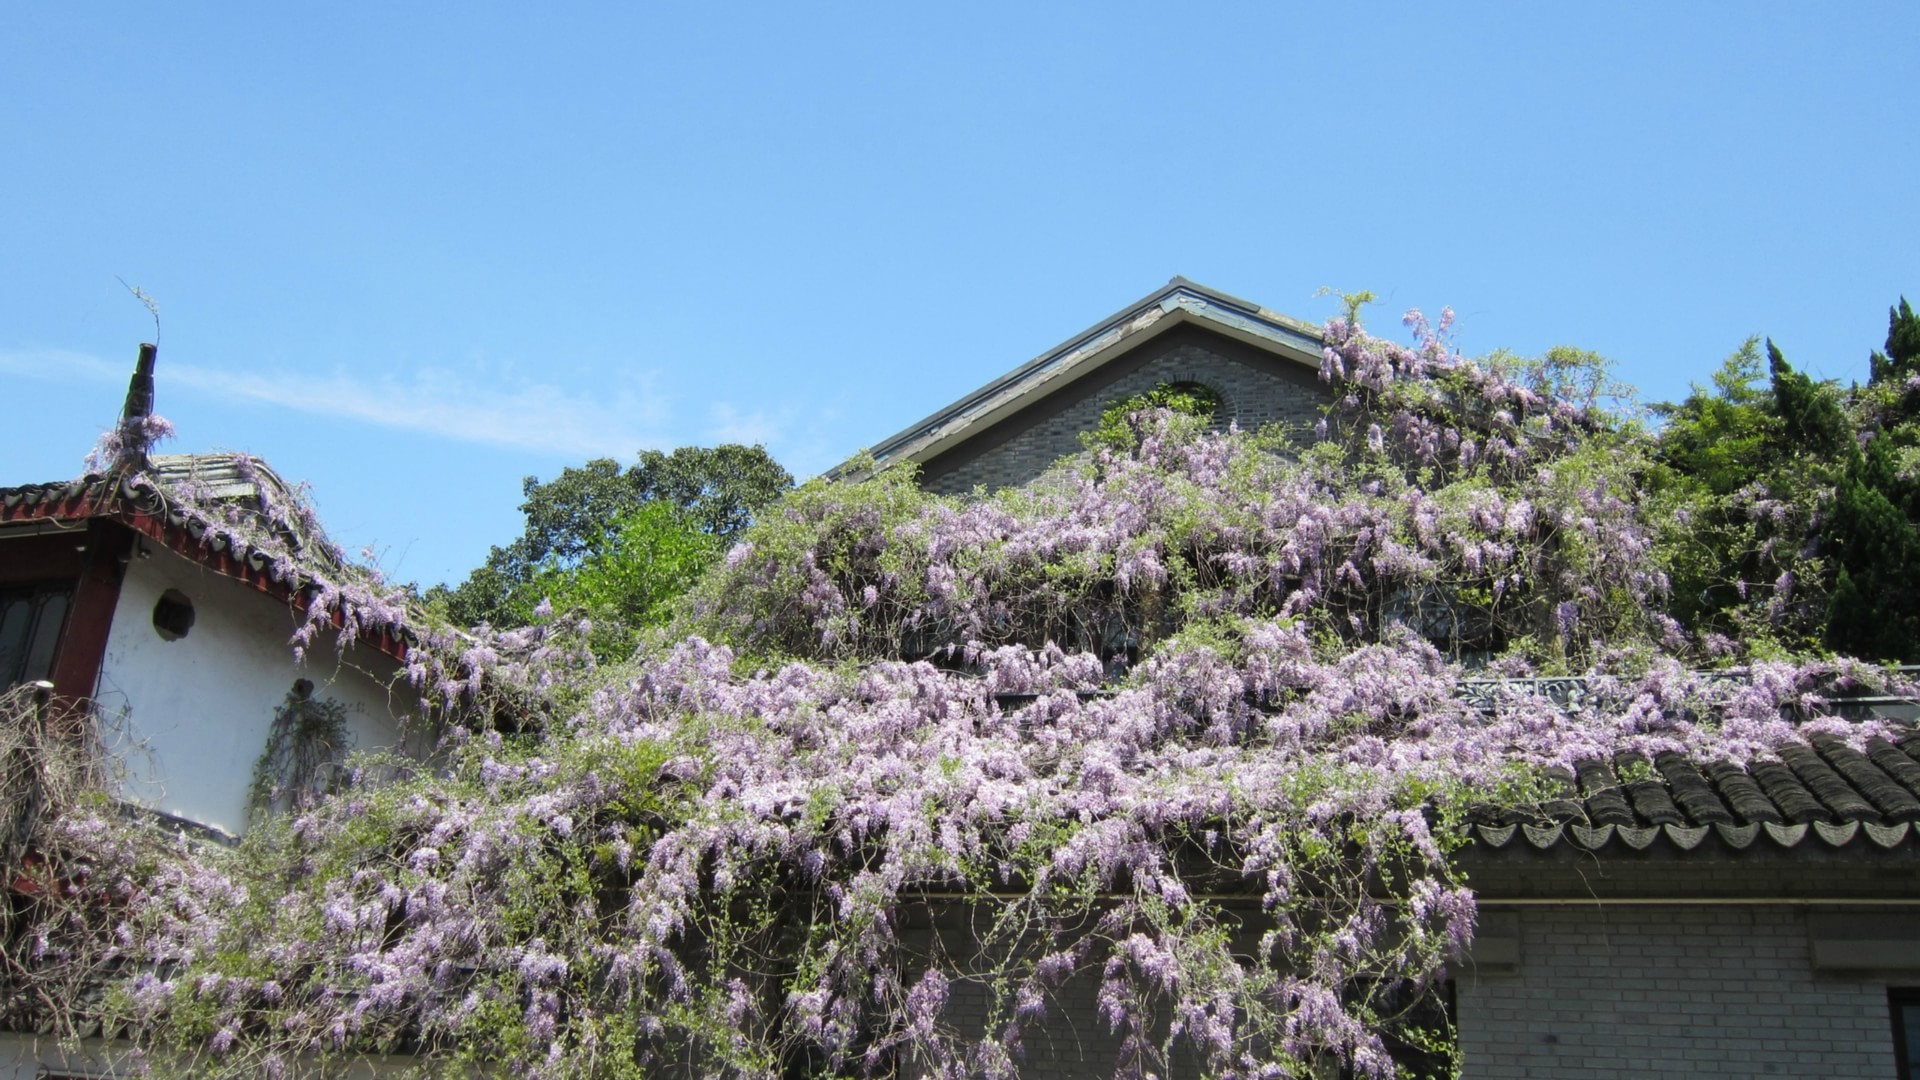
{"x":1616,"y":839}
{"x":74,"y":503}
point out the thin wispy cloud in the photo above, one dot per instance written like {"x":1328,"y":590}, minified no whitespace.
{"x":60,"y":365}
{"x":530,"y":416}
{"x":519,"y":414}
{"x":730,"y":425}
{"x":806,"y":441}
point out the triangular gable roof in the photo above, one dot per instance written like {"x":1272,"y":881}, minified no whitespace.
{"x":1178,"y":303}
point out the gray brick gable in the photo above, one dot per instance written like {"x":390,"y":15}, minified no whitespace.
{"x":1256,"y":389}
{"x":1264,"y":365}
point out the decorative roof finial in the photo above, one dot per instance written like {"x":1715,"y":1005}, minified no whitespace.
{"x":140,"y":388}
{"x":139,"y":428}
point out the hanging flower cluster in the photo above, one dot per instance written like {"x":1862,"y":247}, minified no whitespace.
{"x":1170,"y":739}
{"x":343,"y":602}
{"x":1238,"y":859}
{"x":1447,"y":499}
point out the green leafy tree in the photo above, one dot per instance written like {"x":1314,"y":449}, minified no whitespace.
{"x":656,"y":553}
{"x":1873,"y":532}
{"x":1722,"y":436}
{"x":1796,"y":509}
{"x":1744,"y":469}
{"x":1877,"y":571}
{"x":1810,"y":414}
{"x":1903,"y":345}
{"x":585,"y":513}
{"x":1565,"y":373}
{"x":1731,"y":529}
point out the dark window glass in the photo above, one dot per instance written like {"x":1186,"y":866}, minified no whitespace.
{"x":52,"y":616}
{"x":1905,"y":1006}
{"x":31,"y":617}
{"x":16,"y":622}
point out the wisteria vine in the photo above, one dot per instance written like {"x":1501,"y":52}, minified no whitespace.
{"x":1171,"y":738}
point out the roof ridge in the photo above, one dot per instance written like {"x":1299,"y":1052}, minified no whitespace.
{"x":1179,"y":296}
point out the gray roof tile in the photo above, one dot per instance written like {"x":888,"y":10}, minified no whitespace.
{"x":1827,"y":794}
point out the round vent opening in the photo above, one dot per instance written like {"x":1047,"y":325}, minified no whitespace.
{"x":173,"y":615}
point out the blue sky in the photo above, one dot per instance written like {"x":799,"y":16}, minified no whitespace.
{"x":415,"y":253}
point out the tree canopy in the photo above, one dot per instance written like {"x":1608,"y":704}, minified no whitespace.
{"x":1802,"y":503}
{"x":595,"y":516}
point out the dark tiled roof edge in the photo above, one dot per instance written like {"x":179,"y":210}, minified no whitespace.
{"x":153,"y":511}
{"x":1824,"y":794}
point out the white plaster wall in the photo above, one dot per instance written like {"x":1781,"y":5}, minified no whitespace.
{"x":190,"y":717}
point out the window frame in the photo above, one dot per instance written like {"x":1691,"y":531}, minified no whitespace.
{"x":1900,"y":1001}
{"x":39,"y":636}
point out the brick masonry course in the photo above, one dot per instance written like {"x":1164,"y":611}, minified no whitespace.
{"x":1671,"y":991}
{"x":1255,"y":390}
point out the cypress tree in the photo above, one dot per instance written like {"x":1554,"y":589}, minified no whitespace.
{"x":1872,"y":613}
{"x":1870,"y":534}
{"x":1810,"y":411}
{"x":1903,"y":345}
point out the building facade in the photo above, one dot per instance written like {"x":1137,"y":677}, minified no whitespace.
{"x":176,"y":637}
{"x":1262,"y":366}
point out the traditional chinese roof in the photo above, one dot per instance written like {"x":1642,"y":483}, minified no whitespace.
{"x":1826,"y":794}
{"x":222,"y":476}
{"x":1178,"y":303}
{"x":226,"y":477}
{"x":229,"y":513}
{"x":163,"y":492}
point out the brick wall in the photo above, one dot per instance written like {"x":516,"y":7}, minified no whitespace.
{"x":1601,"y":990}
{"x":1256,"y":389}
{"x":1074,"y":1043}
{"x":1670,"y":991}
